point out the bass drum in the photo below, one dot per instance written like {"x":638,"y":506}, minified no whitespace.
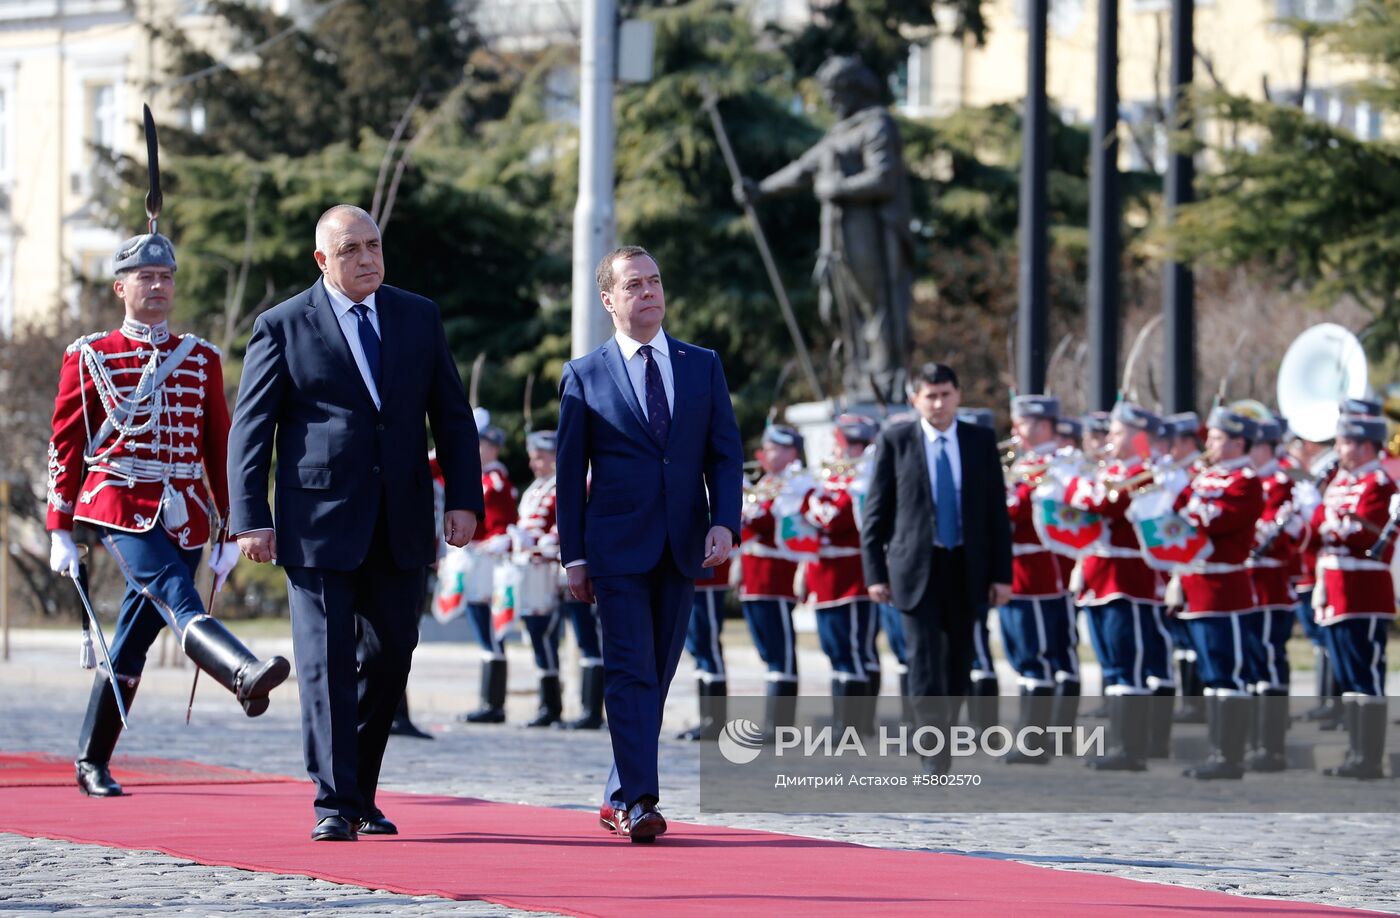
{"x":478,"y":574}
{"x":538,"y":591}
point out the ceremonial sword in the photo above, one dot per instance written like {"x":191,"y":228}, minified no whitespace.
{"x":101,"y":639}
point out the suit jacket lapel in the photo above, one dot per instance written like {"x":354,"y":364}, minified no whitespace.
{"x":321,"y":315}
{"x":612,"y":357}
{"x":920,"y":454}
{"x":969,"y":468}
{"x":390,"y":328}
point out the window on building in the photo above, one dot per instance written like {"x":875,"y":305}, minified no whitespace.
{"x":1314,"y":10}
{"x":1148,"y":142}
{"x":5,"y":138}
{"x":102,"y":115}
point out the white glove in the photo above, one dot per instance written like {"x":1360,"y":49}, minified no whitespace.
{"x":63,"y":554}
{"x":1173,"y":481}
{"x":1306,"y":497}
{"x":222,"y":559}
{"x":1395,"y":504}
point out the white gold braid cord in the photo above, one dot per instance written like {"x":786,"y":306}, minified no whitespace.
{"x":125,"y":412}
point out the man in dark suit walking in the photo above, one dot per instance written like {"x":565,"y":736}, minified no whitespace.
{"x":339,"y":379}
{"x":651,"y":417}
{"x":936,"y":540}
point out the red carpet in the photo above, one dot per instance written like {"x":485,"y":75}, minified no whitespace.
{"x":41,"y":769}
{"x":560,"y":861}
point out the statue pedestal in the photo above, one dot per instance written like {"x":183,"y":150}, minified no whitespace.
{"x":816,"y":422}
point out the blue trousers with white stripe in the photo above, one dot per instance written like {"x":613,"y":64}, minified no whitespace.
{"x":770,"y":623}
{"x":1311,"y":629}
{"x":1357,"y":648}
{"x":1041,"y":640}
{"x":544,"y":629}
{"x":1270,"y":630}
{"x":1228,"y":649}
{"x":160,"y":591}
{"x":983,"y":666}
{"x":702,"y":637}
{"x":588,"y":631}
{"x":479,"y":614}
{"x":1137,"y":647}
{"x":892,"y":623}
{"x":847,"y":635}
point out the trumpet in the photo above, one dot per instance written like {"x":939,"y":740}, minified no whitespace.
{"x":834,"y":467}
{"x":1145,"y":480}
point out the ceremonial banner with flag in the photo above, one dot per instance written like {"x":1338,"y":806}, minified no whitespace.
{"x":1169,"y":542}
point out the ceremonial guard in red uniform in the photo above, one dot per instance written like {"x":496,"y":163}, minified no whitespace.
{"x":1224,"y":502}
{"x":1122,"y":593}
{"x":702,"y":642}
{"x":770,"y":573}
{"x":1271,"y":565}
{"x":846,"y":619}
{"x":1037,"y":625}
{"x":1183,"y":452}
{"x":492,"y":539}
{"x":140,"y":436}
{"x":1355,"y":597}
{"x":536,"y":553}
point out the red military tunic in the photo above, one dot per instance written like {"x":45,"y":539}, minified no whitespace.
{"x":767,"y":573}
{"x":500,"y":496}
{"x":1307,"y":548}
{"x":837,"y":576}
{"x":1272,"y":573}
{"x":714,"y":579}
{"x":1352,"y":585}
{"x":1224,"y":501}
{"x":1114,"y":571}
{"x":537,"y":517}
{"x":1036,"y":572}
{"x":152,"y":467}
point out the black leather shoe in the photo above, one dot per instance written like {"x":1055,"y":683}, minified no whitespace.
{"x":377,"y":824}
{"x":95,"y":780}
{"x":646,"y":823}
{"x":483,"y":716}
{"x":614,"y":820}
{"x":333,"y":828}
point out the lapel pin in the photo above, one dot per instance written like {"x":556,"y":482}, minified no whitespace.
{"x":680,"y":353}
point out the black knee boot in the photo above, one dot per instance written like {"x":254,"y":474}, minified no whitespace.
{"x":781,"y":707}
{"x":551,"y":703}
{"x":984,"y":704}
{"x":1271,"y":754}
{"x":1193,"y":703}
{"x":1128,"y":732}
{"x":101,"y":727}
{"x":215,"y":650}
{"x":711,"y":697}
{"x":1229,"y":725}
{"x":1160,"y":717}
{"x":403,"y":725}
{"x":1037,"y":711}
{"x":590,"y":699}
{"x":493,"y":694}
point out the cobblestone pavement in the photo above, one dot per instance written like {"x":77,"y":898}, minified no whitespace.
{"x":1340,"y":860}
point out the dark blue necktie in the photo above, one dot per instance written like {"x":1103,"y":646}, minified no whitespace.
{"x":945,"y":502}
{"x":658,"y":412}
{"x":369,"y":341}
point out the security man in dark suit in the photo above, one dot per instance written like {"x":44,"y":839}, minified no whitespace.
{"x":340,"y":379}
{"x":936,"y":541}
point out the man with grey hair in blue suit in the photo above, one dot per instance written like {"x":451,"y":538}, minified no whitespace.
{"x":650,"y":417}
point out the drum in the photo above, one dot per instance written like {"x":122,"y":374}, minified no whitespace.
{"x":478,"y":573}
{"x":504,"y":597}
{"x":538,"y":590}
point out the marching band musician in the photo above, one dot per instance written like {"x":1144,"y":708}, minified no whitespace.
{"x":1306,"y":455}
{"x":538,"y":535}
{"x":1122,"y":592}
{"x":1271,"y":565}
{"x":846,"y":618}
{"x":769,"y":574}
{"x":702,"y":642}
{"x":1355,"y":598}
{"x":492,"y":540}
{"x":1183,"y":436}
{"x":140,"y":435}
{"x":1037,"y":625}
{"x":1224,"y":502}
{"x":983,"y":693}
{"x":1095,"y":434}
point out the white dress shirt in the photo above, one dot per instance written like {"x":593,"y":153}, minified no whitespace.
{"x":350,"y":327}
{"x":637,"y":368}
{"x":950,"y":445}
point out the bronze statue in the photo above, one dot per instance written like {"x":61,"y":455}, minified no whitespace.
{"x":864,"y":269}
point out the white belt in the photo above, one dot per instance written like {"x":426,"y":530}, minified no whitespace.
{"x":149,"y":470}
{"x":1113,"y":551}
{"x":1021,"y":549}
{"x":837,"y":551}
{"x":1206,"y":567}
{"x":1348,"y":563}
{"x":759,"y":550}
{"x":1257,"y":563}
